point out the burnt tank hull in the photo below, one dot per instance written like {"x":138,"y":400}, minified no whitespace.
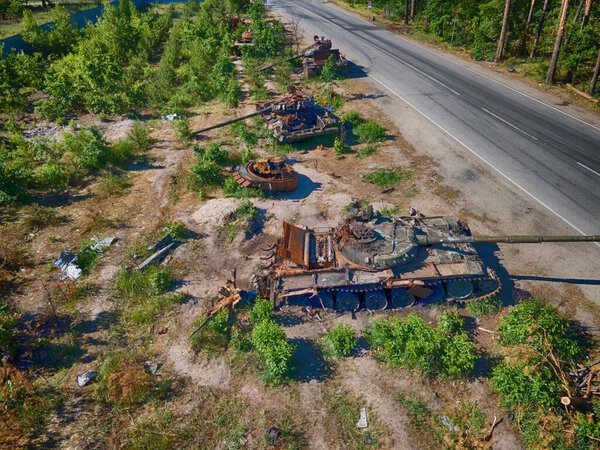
{"x":271,"y":175}
{"x":316,"y":267}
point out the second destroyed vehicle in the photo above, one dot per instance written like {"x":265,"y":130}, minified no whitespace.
{"x":374,"y":262}
{"x":292,"y":117}
{"x":269,"y":174}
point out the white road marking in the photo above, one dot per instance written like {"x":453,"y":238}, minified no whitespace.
{"x":586,"y":167}
{"x":549,"y":208}
{"x":509,"y":124}
{"x":495,"y":81}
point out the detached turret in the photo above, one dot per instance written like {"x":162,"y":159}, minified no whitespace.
{"x":373,"y":262}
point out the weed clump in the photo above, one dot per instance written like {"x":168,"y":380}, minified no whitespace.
{"x":214,"y":337}
{"x":339,"y":341}
{"x":370,"y":132}
{"x":413,"y":344}
{"x":484,"y":307}
{"x":387,"y":178}
{"x":273,"y":349}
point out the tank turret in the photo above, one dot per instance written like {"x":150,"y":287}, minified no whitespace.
{"x":269,"y":174}
{"x":374,"y":262}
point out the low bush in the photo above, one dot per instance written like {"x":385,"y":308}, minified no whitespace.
{"x":352,"y":117}
{"x":241,"y":219}
{"x":274,"y":350}
{"x":326,"y":96}
{"x":182,"y":129}
{"x":339,"y":341}
{"x":213,"y":338}
{"x":114,"y":185}
{"x":370,"y":132}
{"x":329,"y":71}
{"x":413,"y":344}
{"x":261,"y":310}
{"x":341,"y":148}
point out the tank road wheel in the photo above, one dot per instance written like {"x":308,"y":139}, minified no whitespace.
{"x":324,"y":299}
{"x":401,"y":298}
{"x":460,"y":289}
{"x":347,"y":302}
{"x":376,"y":300}
{"x":487,"y":286}
{"x":437,"y":294}
{"x":299,"y":300}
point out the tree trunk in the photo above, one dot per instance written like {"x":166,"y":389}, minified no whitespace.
{"x":502,"y":39}
{"x":539,"y":28}
{"x":523,"y":47}
{"x":586,"y":14}
{"x":575,"y":19}
{"x":406,"y":12}
{"x":592,"y":88}
{"x":412,"y":10}
{"x":564,"y":12}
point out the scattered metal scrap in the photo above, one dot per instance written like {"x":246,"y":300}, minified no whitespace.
{"x":67,"y":261}
{"x":163,"y":247}
{"x":587,"y":383}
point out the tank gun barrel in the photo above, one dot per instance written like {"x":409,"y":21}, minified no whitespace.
{"x":237,"y":119}
{"x":290,"y":58}
{"x":526,"y":239}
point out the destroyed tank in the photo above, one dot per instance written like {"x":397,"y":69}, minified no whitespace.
{"x":269,"y":174}
{"x":290,"y":118}
{"x":375,"y":262}
{"x":315,"y":57}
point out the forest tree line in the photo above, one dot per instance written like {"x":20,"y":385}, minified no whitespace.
{"x":554,"y":40}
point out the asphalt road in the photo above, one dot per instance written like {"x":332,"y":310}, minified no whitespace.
{"x":550,"y":155}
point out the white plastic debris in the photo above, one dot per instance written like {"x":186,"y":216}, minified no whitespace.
{"x":66,"y":263}
{"x":170,"y":116}
{"x":151,"y":367}
{"x":446,"y":421}
{"x":85,"y":378}
{"x":362,"y":422}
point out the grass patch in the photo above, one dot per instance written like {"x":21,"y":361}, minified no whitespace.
{"x":327,"y":96}
{"x":114,"y":185}
{"x":341,"y":148}
{"x":368,"y":150}
{"x":352,"y":117}
{"x":387,"y":178}
{"x":370,"y":132}
{"x":484,"y":307}
{"x":182,"y":130}
{"x":36,"y":217}
{"x":214,"y":337}
{"x":241,"y":219}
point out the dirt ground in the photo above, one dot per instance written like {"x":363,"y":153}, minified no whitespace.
{"x":441,"y":182}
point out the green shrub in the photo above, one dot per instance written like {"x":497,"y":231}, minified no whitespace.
{"x":274,"y":350}
{"x":387,"y":178}
{"x":327,"y":96}
{"x":114,"y":185}
{"x":352,"y":117}
{"x":340,"y":341}
{"x":450,"y":323}
{"x":177,"y":230}
{"x":413,"y":344}
{"x":484,"y":307}
{"x":52,"y":176}
{"x":139,"y":138}
{"x":182,"y":129}
{"x":8,"y":331}
{"x":329,"y":71}
{"x":214,"y":337}
{"x":370,"y":132}
{"x":341,"y":148}
{"x":246,"y":136}
{"x":261,"y":311}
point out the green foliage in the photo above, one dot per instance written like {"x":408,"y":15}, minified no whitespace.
{"x":214,"y":337}
{"x":206,"y":173}
{"x":283,"y":76}
{"x":340,"y":341}
{"x":413,"y":344}
{"x":241,"y":219}
{"x":59,"y":40}
{"x":532,"y":335}
{"x":341,"y":148}
{"x":327,"y":96}
{"x":541,"y":326}
{"x":20,"y":74}
{"x":274,"y":350}
{"x":261,"y":310}
{"x":370,"y":132}
{"x":114,"y":185}
{"x":367,"y":151}
{"x":450,"y":323}
{"x":484,"y":307}
{"x":182,"y":129}
{"x":329,"y":71}
{"x":387,"y":178}
{"x":11,"y":9}
{"x":352,"y":117}
{"x":587,"y":428}
{"x":247,"y":137}
{"x":177,"y":230}
{"x":8,"y":331}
